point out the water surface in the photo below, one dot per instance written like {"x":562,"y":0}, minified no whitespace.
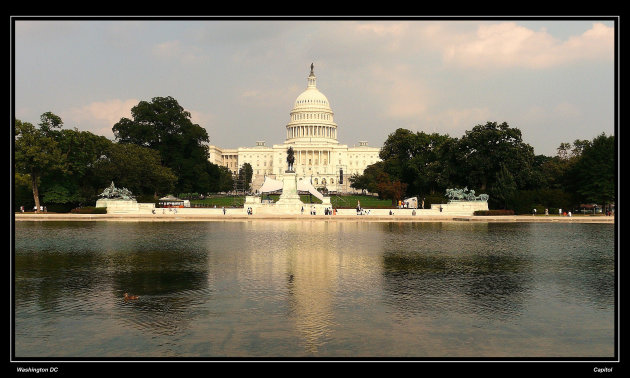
{"x":314,"y":289}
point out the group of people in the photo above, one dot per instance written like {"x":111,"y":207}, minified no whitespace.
{"x":560,"y":212}
{"x":170,"y":210}
{"x":327,"y":211}
{"x":250,"y":211}
{"x":362,"y":211}
{"x":41,"y":208}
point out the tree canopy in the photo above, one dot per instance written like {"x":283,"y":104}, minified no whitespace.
{"x":165,"y":126}
{"x":594,"y":171}
{"x":493,"y":159}
{"x":37,"y":151}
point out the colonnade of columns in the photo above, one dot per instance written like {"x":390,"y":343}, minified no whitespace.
{"x":312,"y":157}
{"x":311,"y":131}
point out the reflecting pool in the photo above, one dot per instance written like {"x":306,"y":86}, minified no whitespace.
{"x":304,"y":289}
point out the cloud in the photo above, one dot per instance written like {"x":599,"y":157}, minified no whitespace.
{"x":200,"y":118}
{"x":175,"y":50}
{"x":456,"y":121}
{"x":566,"y":110}
{"x":507,"y":45}
{"x":401,"y":96}
{"x":100,"y":116}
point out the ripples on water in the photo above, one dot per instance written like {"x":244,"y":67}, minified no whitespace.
{"x":313,"y":289}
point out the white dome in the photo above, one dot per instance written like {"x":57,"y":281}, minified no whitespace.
{"x":311,"y":117}
{"x":311,"y":98}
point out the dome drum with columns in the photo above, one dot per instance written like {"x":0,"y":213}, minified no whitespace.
{"x":312,"y":133}
{"x":311,"y":117}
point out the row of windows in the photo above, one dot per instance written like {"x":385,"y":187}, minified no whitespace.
{"x":321,"y":102}
{"x":299,"y":116}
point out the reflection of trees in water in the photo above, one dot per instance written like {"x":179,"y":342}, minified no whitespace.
{"x":170,"y":285}
{"x":56,"y":281}
{"x":487,"y":285}
{"x":578,"y":259}
{"x":584,"y":279}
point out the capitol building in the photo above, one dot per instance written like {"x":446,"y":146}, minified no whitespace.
{"x":319,"y":157}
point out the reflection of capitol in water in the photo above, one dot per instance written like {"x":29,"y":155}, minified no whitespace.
{"x":312,"y":283}
{"x":312,"y":262}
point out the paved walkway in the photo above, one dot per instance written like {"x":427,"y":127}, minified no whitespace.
{"x":306,"y":217}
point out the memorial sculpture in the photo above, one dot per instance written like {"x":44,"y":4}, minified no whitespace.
{"x":290,"y":159}
{"x":465,"y":195}
{"x":112,"y":192}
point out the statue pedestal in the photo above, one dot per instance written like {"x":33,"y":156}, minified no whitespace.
{"x":120,"y":206}
{"x":289,"y":194}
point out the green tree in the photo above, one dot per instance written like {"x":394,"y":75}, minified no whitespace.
{"x":482,"y":150}
{"x":594,"y":171}
{"x":505,"y":187}
{"x":37,"y":151}
{"x":372,"y":175}
{"x":418,"y":160}
{"x":359,"y":182}
{"x":245,"y":173}
{"x":136,"y":168}
{"x":73,"y":185}
{"x":165,"y":126}
{"x":23,"y":191}
{"x":222,"y":179}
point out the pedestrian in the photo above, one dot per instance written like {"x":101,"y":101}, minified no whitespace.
{"x":223,"y":210}
{"x":22,"y":208}
{"x":546,"y":211}
{"x":534,"y":211}
{"x":569,"y":214}
{"x":302,"y":211}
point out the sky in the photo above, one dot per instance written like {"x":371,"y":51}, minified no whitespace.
{"x":552,"y":78}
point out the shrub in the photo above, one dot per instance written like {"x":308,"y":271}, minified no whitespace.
{"x":494,"y":212}
{"x":89,"y":210}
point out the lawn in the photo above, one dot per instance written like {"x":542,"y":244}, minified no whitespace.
{"x":337,"y":201}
